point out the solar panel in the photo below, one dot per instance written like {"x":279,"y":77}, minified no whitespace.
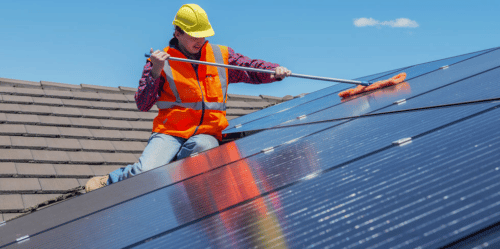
{"x":327,"y":97}
{"x":480,"y":87}
{"x":359,"y":106}
{"x":387,"y":96}
{"x":414,"y":195}
{"x":176,"y":206}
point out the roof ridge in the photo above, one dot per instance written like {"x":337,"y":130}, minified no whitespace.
{"x":65,"y":86}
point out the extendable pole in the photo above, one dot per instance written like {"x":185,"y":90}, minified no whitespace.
{"x":363,"y":83}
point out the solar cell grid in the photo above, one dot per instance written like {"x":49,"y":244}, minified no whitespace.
{"x":480,"y":87}
{"x":421,"y":69}
{"x":386,"y":97}
{"x":331,"y":103}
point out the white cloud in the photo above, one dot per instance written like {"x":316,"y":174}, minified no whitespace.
{"x":398,"y":23}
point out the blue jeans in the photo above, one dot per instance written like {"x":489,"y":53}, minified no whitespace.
{"x":161,"y":150}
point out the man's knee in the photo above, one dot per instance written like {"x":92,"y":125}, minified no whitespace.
{"x":202,"y":142}
{"x":196,"y":144}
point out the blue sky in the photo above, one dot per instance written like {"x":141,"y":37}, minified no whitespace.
{"x":103,"y":42}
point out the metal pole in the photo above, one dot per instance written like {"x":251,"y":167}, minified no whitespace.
{"x":363,"y":83}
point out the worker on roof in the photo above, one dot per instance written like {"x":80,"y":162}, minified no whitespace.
{"x":191,"y":98}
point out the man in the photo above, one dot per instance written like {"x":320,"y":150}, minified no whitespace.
{"x":191,"y":98}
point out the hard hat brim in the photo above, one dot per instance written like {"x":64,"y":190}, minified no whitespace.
{"x":199,"y":34}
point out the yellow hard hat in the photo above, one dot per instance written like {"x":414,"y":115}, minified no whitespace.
{"x":193,"y":20}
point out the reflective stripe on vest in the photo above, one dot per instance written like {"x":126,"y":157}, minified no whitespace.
{"x":193,"y":105}
{"x":222,"y":71}
{"x":170,"y":78}
{"x":197,"y":105}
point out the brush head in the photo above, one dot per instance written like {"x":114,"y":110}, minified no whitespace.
{"x":377,"y":85}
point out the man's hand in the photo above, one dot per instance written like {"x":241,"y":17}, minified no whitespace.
{"x":158,"y":59}
{"x":280,"y":73}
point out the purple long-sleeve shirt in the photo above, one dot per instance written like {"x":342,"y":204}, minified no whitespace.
{"x":148,"y":92}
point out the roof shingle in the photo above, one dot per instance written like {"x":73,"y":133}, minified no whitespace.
{"x":74,"y":170}
{"x":86,"y":157}
{"x":22,"y":118}
{"x":43,"y":156}
{"x":28,"y":142}
{"x":11,"y":202}
{"x":47,"y":101}
{"x":36,"y":130}
{"x":54,"y":120}
{"x":63,"y":144}
{"x":75,"y":132}
{"x":7,"y":169}
{"x":96,"y":145}
{"x":5,"y":141}
{"x":15,"y":155}
{"x":19,"y":184}
{"x":12,"y":129}
{"x":35,"y":169}
{"x":17,"y":99}
{"x":58,"y":184}
{"x":100,"y":170}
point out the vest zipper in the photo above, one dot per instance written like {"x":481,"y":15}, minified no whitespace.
{"x":202,"y":100}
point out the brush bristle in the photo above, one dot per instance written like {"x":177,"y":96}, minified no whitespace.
{"x":377,"y":85}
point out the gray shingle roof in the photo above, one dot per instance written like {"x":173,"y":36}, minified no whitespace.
{"x":55,"y":136}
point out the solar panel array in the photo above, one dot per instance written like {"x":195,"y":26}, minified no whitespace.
{"x":413,"y":165}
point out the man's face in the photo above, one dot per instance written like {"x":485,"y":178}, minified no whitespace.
{"x":191,"y":44}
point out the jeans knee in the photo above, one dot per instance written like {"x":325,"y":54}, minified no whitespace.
{"x":198,"y":143}
{"x":199,"y":146}
{"x":208,"y":142}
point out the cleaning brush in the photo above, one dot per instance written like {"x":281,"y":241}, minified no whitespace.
{"x":377,"y":85}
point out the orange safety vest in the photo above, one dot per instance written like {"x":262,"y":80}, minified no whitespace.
{"x":193,"y":102}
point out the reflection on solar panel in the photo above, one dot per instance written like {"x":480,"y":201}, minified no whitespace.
{"x":365,"y":173}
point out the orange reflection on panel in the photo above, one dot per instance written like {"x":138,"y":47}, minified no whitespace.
{"x":224,"y":187}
